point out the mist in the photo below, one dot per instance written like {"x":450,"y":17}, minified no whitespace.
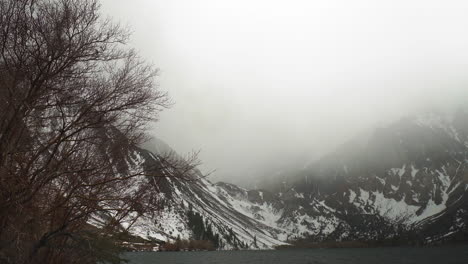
{"x":260,"y":86}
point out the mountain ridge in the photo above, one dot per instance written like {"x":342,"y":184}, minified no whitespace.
{"x":407,"y":183}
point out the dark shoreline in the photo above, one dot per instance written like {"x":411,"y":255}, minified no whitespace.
{"x":321,"y":245}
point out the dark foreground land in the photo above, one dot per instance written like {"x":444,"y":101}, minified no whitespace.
{"x":384,"y":255}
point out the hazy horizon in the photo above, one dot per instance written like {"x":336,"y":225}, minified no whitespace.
{"x":260,"y":84}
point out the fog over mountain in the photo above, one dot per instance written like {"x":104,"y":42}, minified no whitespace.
{"x":262,"y":86}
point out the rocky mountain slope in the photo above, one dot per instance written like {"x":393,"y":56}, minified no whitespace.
{"x":194,"y":208}
{"x":405,"y":182}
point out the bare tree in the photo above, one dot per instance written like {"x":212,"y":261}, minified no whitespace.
{"x":74,"y":103}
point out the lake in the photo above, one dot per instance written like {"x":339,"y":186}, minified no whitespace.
{"x":388,"y":255}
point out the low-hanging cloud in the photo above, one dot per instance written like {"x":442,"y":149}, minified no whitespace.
{"x":264,"y":85}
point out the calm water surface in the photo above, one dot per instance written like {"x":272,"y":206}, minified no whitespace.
{"x":395,"y":255}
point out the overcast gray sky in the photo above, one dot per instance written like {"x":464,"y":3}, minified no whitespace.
{"x":278,"y":83}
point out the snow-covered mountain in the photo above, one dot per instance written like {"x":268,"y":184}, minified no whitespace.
{"x":195,"y":208}
{"x":407,"y":181}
